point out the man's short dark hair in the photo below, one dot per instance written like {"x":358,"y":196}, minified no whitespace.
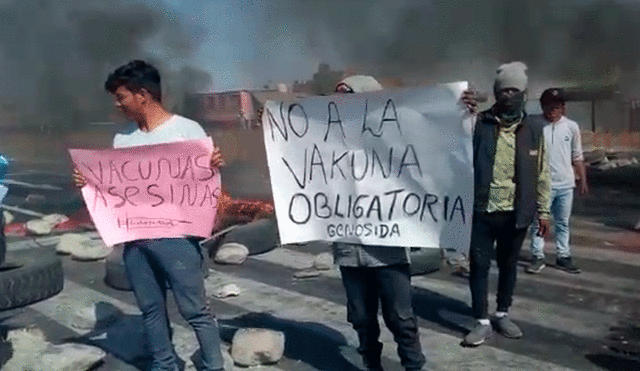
{"x":551,"y":96}
{"x":136,"y":76}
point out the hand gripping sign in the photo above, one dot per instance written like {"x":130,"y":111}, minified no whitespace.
{"x":155,"y":191}
{"x":390,"y":168}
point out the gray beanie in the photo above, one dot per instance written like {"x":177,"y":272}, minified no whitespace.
{"x":511,"y":75}
{"x":361,"y":83}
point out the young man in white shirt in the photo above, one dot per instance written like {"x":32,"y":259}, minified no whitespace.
{"x":562,"y":137}
{"x":153,"y":265}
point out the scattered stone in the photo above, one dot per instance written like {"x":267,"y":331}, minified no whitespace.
{"x":55,"y":218}
{"x":323,"y":261}
{"x":91,"y":250}
{"x":8,"y":217}
{"x":70,"y":242}
{"x":228,"y":291}
{"x":28,"y":345}
{"x":92,"y":317}
{"x":70,"y":357}
{"x":623,"y":162}
{"x":255,"y":346}
{"x":459,"y":262}
{"x":82,"y":247}
{"x":39,"y":226}
{"x":46,"y":224}
{"x":306,"y":273}
{"x":32,"y":352}
{"x":231,"y":253}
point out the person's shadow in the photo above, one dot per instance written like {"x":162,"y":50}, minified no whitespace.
{"x":123,"y":337}
{"x":452,"y":314}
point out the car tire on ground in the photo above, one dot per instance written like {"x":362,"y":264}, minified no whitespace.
{"x":29,"y":276}
{"x":259,"y":236}
{"x":424,"y":260}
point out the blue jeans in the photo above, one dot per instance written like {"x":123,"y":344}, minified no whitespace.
{"x":561,"y":202}
{"x":154,"y":265}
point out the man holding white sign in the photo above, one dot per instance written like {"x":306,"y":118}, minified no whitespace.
{"x":152,"y":264}
{"x":359,"y":170}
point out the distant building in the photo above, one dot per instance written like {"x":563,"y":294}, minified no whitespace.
{"x":232,"y":109}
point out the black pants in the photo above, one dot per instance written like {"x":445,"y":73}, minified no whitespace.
{"x":391,"y":286}
{"x":487,"y":228}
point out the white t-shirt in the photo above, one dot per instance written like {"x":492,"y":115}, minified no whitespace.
{"x":564,"y":146}
{"x":175,"y":129}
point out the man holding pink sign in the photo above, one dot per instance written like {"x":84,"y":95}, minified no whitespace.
{"x":157,"y":191}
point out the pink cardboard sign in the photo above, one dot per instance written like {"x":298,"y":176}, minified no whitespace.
{"x":155,"y":191}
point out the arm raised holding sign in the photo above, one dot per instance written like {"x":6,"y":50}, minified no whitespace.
{"x":78,"y":179}
{"x":385,"y":267}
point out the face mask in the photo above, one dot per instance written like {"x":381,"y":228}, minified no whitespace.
{"x":511,"y":107}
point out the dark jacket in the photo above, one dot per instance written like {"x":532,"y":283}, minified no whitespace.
{"x":528,"y":150}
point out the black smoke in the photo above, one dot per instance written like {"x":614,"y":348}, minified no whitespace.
{"x":55,"y":55}
{"x":593,"y":41}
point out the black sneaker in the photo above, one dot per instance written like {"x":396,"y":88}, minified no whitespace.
{"x":567,"y":265}
{"x":536,"y":266}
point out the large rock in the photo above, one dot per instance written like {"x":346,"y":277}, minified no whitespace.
{"x":8,"y":217}
{"x":70,"y":357}
{"x":28,"y":346}
{"x":82,"y":247}
{"x":323,"y":261}
{"x":91,"y":250}
{"x":255,"y":346}
{"x":231,"y":253}
{"x":46,"y":224}
{"x":307,"y":273}
{"x":228,"y":290}
{"x":39,"y":226}
{"x":32,"y":352}
{"x":55,"y":218}
{"x":70,"y":242}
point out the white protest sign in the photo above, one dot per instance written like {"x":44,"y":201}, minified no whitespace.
{"x":385,"y":168}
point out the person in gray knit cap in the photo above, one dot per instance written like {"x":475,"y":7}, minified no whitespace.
{"x":511,"y":186}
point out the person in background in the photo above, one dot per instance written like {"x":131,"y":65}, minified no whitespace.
{"x":512,"y":183}
{"x":154,"y":264}
{"x":564,"y":146}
